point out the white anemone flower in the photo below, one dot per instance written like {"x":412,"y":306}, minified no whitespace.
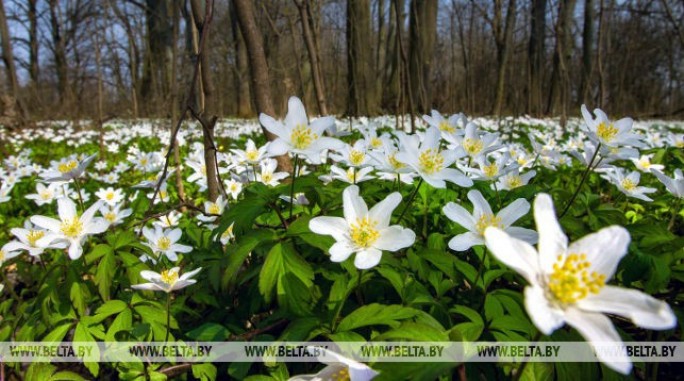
{"x":164,"y":241}
{"x":29,"y":239}
{"x":114,"y":215}
{"x":251,"y":154}
{"x":430,"y":162}
{"x":449,"y":128}
{"x":110,"y":195}
{"x":629,"y":184}
{"x":366,"y":233}
{"x":213,"y":209}
{"x":514,"y":180}
{"x":233,"y":187}
{"x":567,"y":283}
{"x":167,"y":280}
{"x":483,"y":217}
{"x":352,"y":175}
{"x":268,"y":175}
{"x":67,"y":169}
{"x":643,"y":163}
{"x":297,"y":135}
{"x":339,"y":368}
{"x":70,"y":228}
{"x":674,"y":185}
{"x":7,"y":252}
{"x":607,"y":132}
{"x":45,"y":194}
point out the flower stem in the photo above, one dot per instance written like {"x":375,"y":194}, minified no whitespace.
{"x":410,"y":200}
{"x":584,"y":177}
{"x":521,"y":370}
{"x":80,"y":197}
{"x":168,"y":316}
{"x":480,"y":271}
{"x":292,"y":184}
{"x":498,"y":197}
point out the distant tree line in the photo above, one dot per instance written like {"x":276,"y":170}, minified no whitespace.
{"x":135,"y":58}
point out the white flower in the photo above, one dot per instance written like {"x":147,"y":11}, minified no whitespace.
{"x":567,"y":284}
{"x":234,"y":188}
{"x":268,"y":176}
{"x":251,"y":154}
{"x":514,"y":180}
{"x":644,"y":164}
{"x":168,"y":221}
{"x":297,"y":135}
{"x":629,"y":185}
{"x":475,"y":144}
{"x":29,"y":239}
{"x":67,"y":169}
{"x":449,"y":128}
{"x":5,"y":190}
{"x":339,"y":368}
{"x":227,"y":235}
{"x":483,"y":217}
{"x":609,"y":133}
{"x":352,"y":156}
{"x":7,"y":252}
{"x":351,"y":175}
{"x":212,"y":208}
{"x":431,"y":163}
{"x":70,"y":228}
{"x":167,"y":281}
{"x":674,"y":185}
{"x":366,"y":233}
{"x":114,"y":215}
{"x":163,"y":241}
{"x":110,"y":196}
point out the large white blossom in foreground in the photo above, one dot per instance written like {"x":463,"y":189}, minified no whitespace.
{"x":70,"y":228}
{"x":568,"y":282}
{"x":364,"y":232}
{"x":339,"y":368}
{"x":297,"y":135}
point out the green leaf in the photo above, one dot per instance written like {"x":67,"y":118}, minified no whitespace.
{"x":111,"y":307}
{"x":205,"y":371}
{"x":468,"y":312}
{"x":122,"y":239}
{"x":293,"y":295}
{"x":238,"y":252}
{"x":376,"y":314}
{"x":209,"y":332}
{"x":466,"y":331}
{"x":413,"y":332}
{"x":122,"y":322}
{"x":299,"y":329}
{"x":538,"y":371}
{"x":281,"y":259}
{"x":82,"y":334}
{"x":57,"y":334}
{"x":77,"y":295}
{"x":98,"y":252}
{"x":104,"y":274}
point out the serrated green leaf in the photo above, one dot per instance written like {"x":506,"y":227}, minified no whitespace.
{"x":376,"y":314}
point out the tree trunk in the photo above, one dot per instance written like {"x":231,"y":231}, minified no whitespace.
{"x":587,"y":52}
{"x":244,"y":96}
{"x":504,"y":41}
{"x":319,"y":87}
{"x":60,"y":56}
{"x":559,"y":94}
{"x":536,"y":53}
{"x":34,"y":70}
{"x":8,"y":60}
{"x":422,"y":38}
{"x":261,"y":84}
{"x":360,"y":76}
{"x":158,"y":54}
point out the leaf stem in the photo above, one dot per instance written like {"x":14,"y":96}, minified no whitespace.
{"x":410,"y":200}
{"x":584,"y":177}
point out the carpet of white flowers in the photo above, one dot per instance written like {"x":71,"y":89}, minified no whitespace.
{"x":467,"y":230}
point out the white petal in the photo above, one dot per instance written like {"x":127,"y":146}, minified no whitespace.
{"x":190,"y":274}
{"x":382,"y":211}
{"x":480,"y":205}
{"x":47,"y":223}
{"x":514,"y":253}
{"x":465,"y":241}
{"x":273,"y":126}
{"x":528,"y":235}
{"x":75,"y":250}
{"x":181,"y":248}
{"x":546,"y":318}
{"x":354,"y":206}
{"x":513,"y":212}
{"x":644,"y":310}
{"x":296,"y":114}
{"x":66,"y":209}
{"x":459,"y":215}
{"x":367,"y":258}
{"x":395,"y":238}
{"x":597,"y":329}
{"x":552,"y":240}
{"x":604,"y":249}
{"x":340,"y":251}
{"x":334,"y":226}
{"x":174,"y":235}
{"x":97,"y":226}
{"x":278,"y":147}
{"x":147,"y":286}
{"x":455,"y":176}
{"x":320,"y":125}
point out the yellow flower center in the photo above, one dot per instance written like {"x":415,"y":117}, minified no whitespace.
{"x":628,"y":185}
{"x":396,"y":164}
{"x":486,"y":220}
{"x":2,"y":255}
{"x":110,"y":216}
{"x":472,"y":146}
{"x":645,"y":163}
{"x":228,"y":233}
{"x":143,"y":162}
{"x":606,"y":132}
{"x":266,"y":177}
{"x":252,"y":155}
{"x":72,"y":228}
{"x":341,"y":375}
{"x":46,"y":195}
{"x":446,"y":127}
{"x":364,"y":233}
{"x":431,"y":161}
{"x":376,"y":142}
{"x":490,"y":170}
{"x":351,"y":175}
{"x":33,"y":236}
{"x":67,"y":166}
{"x":679,"y":144}
{"x":302,"y":137}
{"x":169,"y":276}
{"x":514,"y":181}
{"x":356,"y":157}
{"x":571,"y":280}
{"x":164,"y":243}
{"x":109,"y":196}
{"x":233,"y":187}
{"x":214,"y":208}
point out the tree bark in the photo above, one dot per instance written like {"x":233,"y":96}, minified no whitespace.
{"x":587,"y":52}
{"x":360,"y":74}
{"x":261,"y":84}
{"x":503,"y":45}
{"x":8,"y":60}
{"x":536,"y":53}
{"x":559,"y":94}
{"x":422,"y":38}
{"x":244,"y":96}
{"x":319,"y":87}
